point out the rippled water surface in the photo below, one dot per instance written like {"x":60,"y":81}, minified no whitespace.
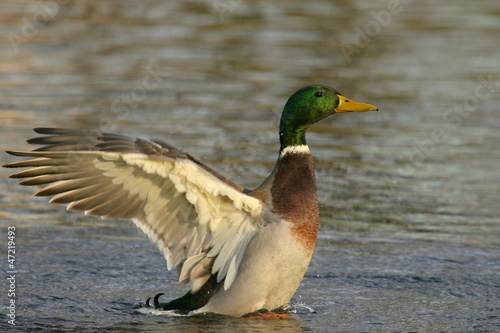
{"x":410,"y":233}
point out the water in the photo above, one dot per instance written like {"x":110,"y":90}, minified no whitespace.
{"x":410,"y":234}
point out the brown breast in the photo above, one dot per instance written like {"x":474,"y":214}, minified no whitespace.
{"x":294,"y":198}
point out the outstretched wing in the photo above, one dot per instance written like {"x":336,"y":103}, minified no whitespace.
{"x":201,"y":221}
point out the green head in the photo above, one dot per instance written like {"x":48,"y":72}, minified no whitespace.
{"x":308,"y":106}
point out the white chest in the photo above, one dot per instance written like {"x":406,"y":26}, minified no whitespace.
{"x":269,"y":275}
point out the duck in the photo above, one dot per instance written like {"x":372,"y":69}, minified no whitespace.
{"x":240,"y":251}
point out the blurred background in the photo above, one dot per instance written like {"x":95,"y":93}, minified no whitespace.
{"x":410,"y":234}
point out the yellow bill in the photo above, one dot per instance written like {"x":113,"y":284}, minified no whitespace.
{"x":348,"y":105}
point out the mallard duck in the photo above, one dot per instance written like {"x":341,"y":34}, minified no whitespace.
{"x":241,"y":251}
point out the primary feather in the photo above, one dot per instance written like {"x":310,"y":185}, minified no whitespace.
{"x":201,"y":221}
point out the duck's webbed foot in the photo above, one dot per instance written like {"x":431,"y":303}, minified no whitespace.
{"x":279,"y":313}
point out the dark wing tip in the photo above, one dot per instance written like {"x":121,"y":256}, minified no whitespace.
{"x":59,"y":131}
{"x":15,"y":153}
{"x":11,"y":152}
{"x":72,"y":139}
{"x":50,"y":130}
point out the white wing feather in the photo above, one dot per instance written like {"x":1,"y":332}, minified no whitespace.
{"x":201,"y":223}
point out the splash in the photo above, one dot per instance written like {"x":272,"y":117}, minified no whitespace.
{"x":295,"y":307}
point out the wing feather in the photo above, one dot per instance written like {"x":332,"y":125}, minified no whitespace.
{"x":201,"y":221}
{"x":68,"y":185}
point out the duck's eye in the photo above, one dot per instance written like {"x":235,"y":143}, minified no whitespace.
{"x":318,"y":94}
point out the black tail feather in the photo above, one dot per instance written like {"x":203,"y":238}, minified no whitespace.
{"x":190,"y":301}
